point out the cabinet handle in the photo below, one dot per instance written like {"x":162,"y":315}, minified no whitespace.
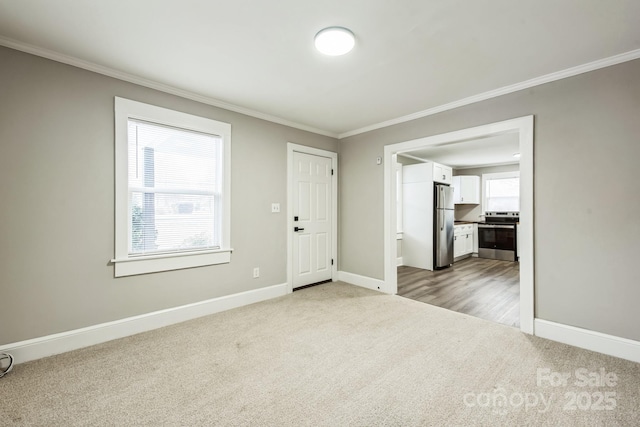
{"x":443,"y":177}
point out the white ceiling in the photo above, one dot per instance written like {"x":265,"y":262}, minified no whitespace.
{"x":258,"y":56}
{"x":490,"y":151}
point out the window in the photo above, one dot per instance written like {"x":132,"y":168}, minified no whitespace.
{"x":172,"y":189}
{"x":501,"y":191}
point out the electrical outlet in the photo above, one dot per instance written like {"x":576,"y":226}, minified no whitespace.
{"x":275,"y":207}
{"x":256,"y":272}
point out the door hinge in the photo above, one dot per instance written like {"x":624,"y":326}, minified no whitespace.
{"x":331,"y":261}
{"x":331,"y":171}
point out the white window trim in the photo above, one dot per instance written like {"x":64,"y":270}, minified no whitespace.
{"x":126,"y":265}
{"x":488,"y":177}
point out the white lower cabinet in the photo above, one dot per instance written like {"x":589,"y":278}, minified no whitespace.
{"x":468,"y":241}
{"x":462,"y":240}
{"x":457,"y":246}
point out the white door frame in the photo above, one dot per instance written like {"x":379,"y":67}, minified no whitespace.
{"x":524,"y":127}
{"x":291,"y":148}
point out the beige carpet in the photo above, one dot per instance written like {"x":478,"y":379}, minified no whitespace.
{"x":330,"y":355}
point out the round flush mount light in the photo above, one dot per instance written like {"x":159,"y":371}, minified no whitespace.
{"x":335,"y":41}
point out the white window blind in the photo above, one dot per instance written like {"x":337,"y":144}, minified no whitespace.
{"x":175,"y":194}
{"x":173,"y":189}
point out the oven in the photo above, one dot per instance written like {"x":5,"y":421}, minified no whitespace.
{"x":497,"y":236}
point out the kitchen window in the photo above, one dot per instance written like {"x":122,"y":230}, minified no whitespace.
{"x":172,"y":189}
{"x":501,"y":192}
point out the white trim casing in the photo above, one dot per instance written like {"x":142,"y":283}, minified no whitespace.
{"x":524,"y":127}
{"x":596,"y":341}
{"x":164,"y":262}
{"x":126,"y":265}
{"x":526,"y":255}
{"x":291,"y":148}
{"x":38,"y":348}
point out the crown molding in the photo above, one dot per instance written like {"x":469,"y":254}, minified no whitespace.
{"x":547,"y":78}
{"x":120,"y":75}
{"x":151,"y":84}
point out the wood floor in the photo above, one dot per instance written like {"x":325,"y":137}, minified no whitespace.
{"x":485,"y":288}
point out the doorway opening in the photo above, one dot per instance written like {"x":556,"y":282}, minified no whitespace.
{"x":521,"y":129}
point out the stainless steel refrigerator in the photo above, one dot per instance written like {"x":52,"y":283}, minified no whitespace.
{"x":443,"y":226}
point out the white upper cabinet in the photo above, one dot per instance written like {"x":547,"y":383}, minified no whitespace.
{"x":428,"y":171}
{"x":442,"y":173}
{"x":466,"y":190}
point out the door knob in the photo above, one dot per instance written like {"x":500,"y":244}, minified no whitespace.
{"x":298,"y":229}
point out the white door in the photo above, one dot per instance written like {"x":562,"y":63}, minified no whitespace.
{"x":312,"y":222}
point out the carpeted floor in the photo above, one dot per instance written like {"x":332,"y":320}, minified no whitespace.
{"x":330,"y":355}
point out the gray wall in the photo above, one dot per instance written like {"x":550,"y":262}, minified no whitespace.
{"x":586,"y":153}
{"x":473,"y":212}
{"x":57,"y":195}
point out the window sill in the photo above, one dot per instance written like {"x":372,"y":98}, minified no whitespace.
{"x":167,"y":262}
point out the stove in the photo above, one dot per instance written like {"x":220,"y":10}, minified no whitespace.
{"x":497,"y":236}
{"x":501,"y":217}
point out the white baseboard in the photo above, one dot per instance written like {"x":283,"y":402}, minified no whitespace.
{"x":363,"y":281}
{"x":596,"y":341}
{"x":399,"y":261}
{"x":38,"y":348}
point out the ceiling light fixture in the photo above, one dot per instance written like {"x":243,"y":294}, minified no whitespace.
{"x":335,"y":41}
{"x":516,"y":155}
